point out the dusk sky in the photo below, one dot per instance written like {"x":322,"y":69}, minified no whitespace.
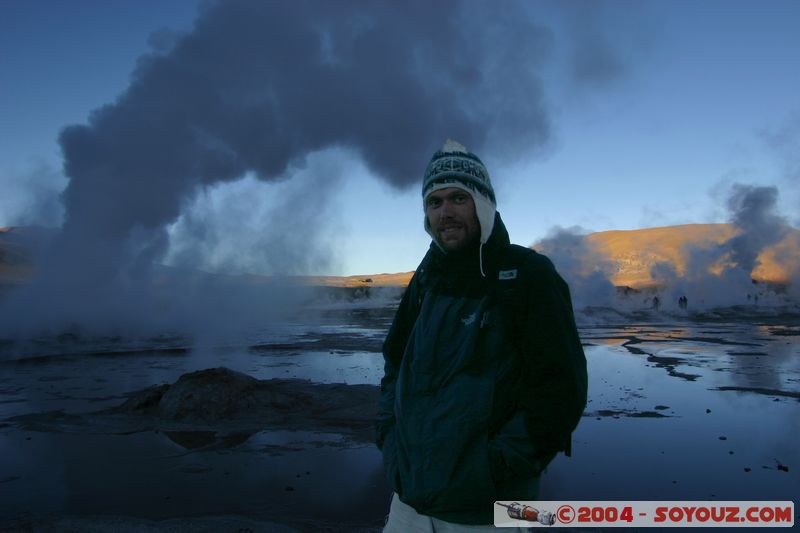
{"x":609,"y":115}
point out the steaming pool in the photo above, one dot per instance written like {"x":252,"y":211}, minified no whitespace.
{"x":677,"y":410}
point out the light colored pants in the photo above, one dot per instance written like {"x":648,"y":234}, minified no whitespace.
{"x":404,"y":519}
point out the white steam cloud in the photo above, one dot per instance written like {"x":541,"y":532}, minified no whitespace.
{"x":253,"y":90}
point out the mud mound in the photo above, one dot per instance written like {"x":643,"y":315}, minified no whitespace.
{"x":208,"y":395}
{"x":227,"y":402}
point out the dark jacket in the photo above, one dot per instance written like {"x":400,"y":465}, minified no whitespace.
{"x":474,"y":402}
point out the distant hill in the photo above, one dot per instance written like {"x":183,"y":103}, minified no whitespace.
{"x":19,"y":245}
{"x":366,"y":280}
{"x":18,"y":248}
{"x":630,"y":254}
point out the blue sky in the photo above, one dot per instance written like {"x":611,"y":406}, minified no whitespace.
{"x":692,"y":97}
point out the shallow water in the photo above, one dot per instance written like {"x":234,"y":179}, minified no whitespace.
{"x":676,"y":411}
{"x":649,"y":435}
{"x":282,"y":475}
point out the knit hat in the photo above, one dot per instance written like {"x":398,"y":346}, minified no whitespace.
{"x":455,"y":166}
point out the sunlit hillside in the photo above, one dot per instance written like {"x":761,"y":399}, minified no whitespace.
{"x":633,"y":253}
{"x":16,"y":251}
{"x":628,"y":256}
{"x":371,"y":280}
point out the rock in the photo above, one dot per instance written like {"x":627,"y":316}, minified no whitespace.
{"x":208,"y":395}
{"x":221,"y":408}
{"x":144,"y":401}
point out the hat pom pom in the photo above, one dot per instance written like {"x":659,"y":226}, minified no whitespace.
{"x":453,"y":146}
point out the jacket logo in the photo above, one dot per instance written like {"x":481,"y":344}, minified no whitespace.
{"x":470,"y":319}
{"x":507,"y":274}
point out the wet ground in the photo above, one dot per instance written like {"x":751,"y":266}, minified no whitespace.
{"x":678,"y":409}
{"x":694,"y":411}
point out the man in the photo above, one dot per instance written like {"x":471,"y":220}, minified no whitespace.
{"x":485,"y":377}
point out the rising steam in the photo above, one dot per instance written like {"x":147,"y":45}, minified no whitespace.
{"x":713,"y":275}
{"x":723,"y":274}
{"x":254,"y":90}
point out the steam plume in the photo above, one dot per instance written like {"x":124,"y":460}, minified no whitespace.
{"x":583,"y":267}
{"x":713,"y":275}
{"x":254,"y":89}
{"x":722,"y":275}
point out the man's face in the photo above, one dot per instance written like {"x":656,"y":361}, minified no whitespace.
{"x":451,"y":215}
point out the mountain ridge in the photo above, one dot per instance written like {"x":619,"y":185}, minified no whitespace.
{"x":627,"y":257}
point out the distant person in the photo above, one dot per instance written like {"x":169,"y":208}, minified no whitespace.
{"x":485,"y":377}
{"x":656,"y":303}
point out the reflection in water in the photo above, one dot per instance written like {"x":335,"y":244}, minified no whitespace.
{"x":192,"y":440}
{"x":711,"y":444}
